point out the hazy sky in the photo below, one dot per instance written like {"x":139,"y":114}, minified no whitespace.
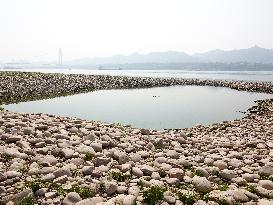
{"x":35,"y":29}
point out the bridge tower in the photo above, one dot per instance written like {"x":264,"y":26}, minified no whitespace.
{"x":60,"y":57}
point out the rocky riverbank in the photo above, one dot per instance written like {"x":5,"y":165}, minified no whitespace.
{"x":24,"y":86}
{"x":57,"y":160}
{"x":47,"y":159}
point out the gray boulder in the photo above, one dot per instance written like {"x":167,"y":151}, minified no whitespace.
{"x":71,"y":198}
{"x":62,"y":172}
{"x":267,"y":170}
{"x":110,"y":187}
{"x":201,"y":184}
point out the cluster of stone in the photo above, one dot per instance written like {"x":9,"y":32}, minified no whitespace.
{"x":47,"y":159}
{"x":23,"y":86}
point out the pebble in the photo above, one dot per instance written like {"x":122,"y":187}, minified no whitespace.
{"x":71,"y":198}
{"x":201,"y":184}
{"x":137,"y":172}
{"x":110,"y":187}
{"x":129,"y":200}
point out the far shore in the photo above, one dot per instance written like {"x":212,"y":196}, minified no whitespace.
{"x":24,"y":86}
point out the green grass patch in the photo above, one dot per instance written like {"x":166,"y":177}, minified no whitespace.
{"x":102,"y":187}
{"x":88,"y":156}
{"x":84,"y":192}
{"x":153,"y":195}
{"x":120,"y":177}
{"x":223,"y":186}
{"x":215,"y":172}
{"x":7,"y":157}
{"x":118,"y":124}
{"x":27,"y":201}
{"x":140,"y":185}
{"x":36,"y":184}
{"x":188,"y":198}
{"x":198,"y":173}
{"x":24,"y":169}
{"x":159,"y":146}
{"x":264,"y":177}
{"x":251,"y":189}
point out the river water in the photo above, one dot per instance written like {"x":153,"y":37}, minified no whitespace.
{"x":222,"y":75}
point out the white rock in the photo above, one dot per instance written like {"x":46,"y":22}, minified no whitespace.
{"x":50,"y":195}
{"x":71,"y":198}
{"x":14,"y":138}
{"x":201,"y":184}
{"x":172,"y":154}
{"x":49,"y":160}
{"x":12,"y":174}
{"x":267,"y":170}
{"x":96,"y":146}
{"x":220,"y":164}
{"x":61,"y":180}
{"x":134,"y":190}
{"x":110,"y":187}
{"x":65,"y":171}
{"x":147,"y":170}
{"x":266,"y":184}
{"x":129,"y":200}
{"x":68,"y":153}
{"x":101,"y":161}
{"x":123,"y":158}
{"x":135,"y":157}
{"x":227,"y":174}
{"x":155,"y":175}
{"x":248,"y":177}
{"x":137,"y":172}
{"x":91,"y":201}
{"x":121,"y":189}
{"x":238,"y":195}
{"x":176,"y":173}
{"x":265,"y":202}
{"x":87,"y":170}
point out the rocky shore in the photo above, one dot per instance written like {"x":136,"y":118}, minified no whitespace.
{"x":24,"y":86}
{"x":47,"y":159}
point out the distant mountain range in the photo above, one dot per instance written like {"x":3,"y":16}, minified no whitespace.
{"x":154,"y":57}
{"x":254,"y":58}
{"x":250,"y":55}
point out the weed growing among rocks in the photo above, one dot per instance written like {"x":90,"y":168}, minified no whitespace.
{"x":153,"y":195}
{"x":223,"y":186}
{"x":27,"y":201}
{"x":88,"y":157}
{"x":7,"y":157}
{"x":188,"y":197}
{"x":84,"y":192}
{"x":35,"y":185}
{"x":120,"y":177}
{"x":251,"y":189}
